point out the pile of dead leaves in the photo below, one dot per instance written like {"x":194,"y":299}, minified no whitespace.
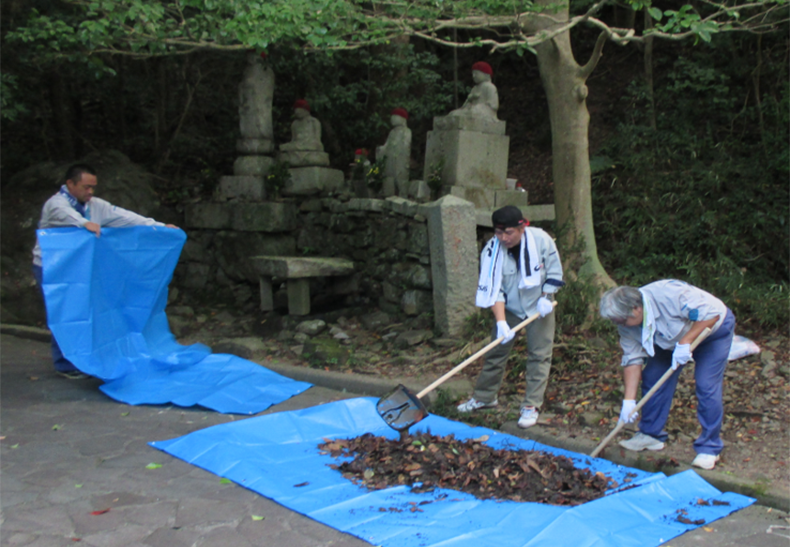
{"x":426,"y":462}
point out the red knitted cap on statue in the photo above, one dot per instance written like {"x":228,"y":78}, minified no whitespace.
{"x":301,"y":103}
{"x":484,"y":67}
{"x":400,"y":112}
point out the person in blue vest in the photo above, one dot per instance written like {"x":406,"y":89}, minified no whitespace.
{"x":74,"y":205}
{"x":657,"y":324}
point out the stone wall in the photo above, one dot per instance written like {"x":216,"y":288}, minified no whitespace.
{"x":386,"y":239}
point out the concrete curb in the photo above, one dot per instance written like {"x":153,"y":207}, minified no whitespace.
{"x":23,"y":331}
{"x":378,"y":387}
{"x":361,"y":384}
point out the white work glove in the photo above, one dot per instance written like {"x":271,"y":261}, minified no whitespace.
{"x":545,"y":306}
{"x":503,"y":329}
{"x":681,"y":355}
{"x":625,"y":413}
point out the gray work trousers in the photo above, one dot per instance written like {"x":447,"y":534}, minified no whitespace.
{"x":540,"y":343}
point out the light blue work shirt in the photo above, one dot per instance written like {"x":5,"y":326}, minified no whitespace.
{"x":676,"y":307}
{"x":523,"y":302}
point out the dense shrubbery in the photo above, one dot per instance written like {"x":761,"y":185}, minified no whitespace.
{"x":703,"y":197}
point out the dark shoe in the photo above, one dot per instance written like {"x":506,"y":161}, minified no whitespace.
{"x":72,"y":375}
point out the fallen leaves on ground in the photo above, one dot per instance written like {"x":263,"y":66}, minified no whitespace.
{"x":425,"y":462}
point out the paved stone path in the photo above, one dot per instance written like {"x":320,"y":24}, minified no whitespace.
{"x":68,"y":451}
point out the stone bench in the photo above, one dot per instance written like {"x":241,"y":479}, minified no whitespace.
{"x":297,"y":270}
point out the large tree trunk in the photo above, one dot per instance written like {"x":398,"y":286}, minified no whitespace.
{"x":564,"y":82}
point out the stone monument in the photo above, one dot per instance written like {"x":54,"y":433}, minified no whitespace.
{"x":470,"y":145}
{"x":310,"y":172}
{"x":256,"y":144}
{"x":256,"y":93}
{"x":397,"y":154}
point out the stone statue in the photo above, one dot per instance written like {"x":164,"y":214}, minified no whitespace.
{"x":468,"y":146}
{"x":483,"y":100}
{"x":397,"y":153}
{"x":256,"y":92}
{"x":305,"y":130}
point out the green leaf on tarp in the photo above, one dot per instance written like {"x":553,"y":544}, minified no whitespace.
{"x":225,"y":481}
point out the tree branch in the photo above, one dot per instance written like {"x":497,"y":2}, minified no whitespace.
{"x":586,"y":70}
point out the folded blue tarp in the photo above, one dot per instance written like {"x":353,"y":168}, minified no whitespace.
{"x":106,"y":301}
{"x":277,"y":456}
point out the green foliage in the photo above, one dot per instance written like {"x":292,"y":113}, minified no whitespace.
{"x":11,"y":101}
{"x":704,"y":196}
{"x":374,"y":175}
{"x":161,"y":28}
{"x":278,"y":176}
{"x":435,"y":178}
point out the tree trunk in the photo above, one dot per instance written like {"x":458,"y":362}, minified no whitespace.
{"x":564,"y":82}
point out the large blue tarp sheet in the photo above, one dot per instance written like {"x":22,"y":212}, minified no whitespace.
{"x":277,"y":456}
{"x":106,"y":301}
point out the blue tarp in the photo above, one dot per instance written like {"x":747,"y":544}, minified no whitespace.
{"x":277,"y":456}
{"x":106,"y":301}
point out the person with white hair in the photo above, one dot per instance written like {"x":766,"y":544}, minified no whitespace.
{"x":657,"y":324}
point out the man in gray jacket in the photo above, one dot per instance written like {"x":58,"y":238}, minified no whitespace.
{"x":74,"y":205}
{"x":520,"y":270}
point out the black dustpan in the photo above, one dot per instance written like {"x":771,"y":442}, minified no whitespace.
{"x":401,"y":408}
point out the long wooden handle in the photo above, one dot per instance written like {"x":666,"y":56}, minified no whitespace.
{"x":476,"y":356}
{"x":646,"y":398}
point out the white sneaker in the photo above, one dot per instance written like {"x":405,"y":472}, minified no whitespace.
{"x":705,"y":461}
{"x":640,"y":441}
{"x":529,"y":417}
{"x":474,"y":404}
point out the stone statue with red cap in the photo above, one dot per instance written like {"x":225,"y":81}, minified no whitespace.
{"x":305,"y":130}
{"x":397,"y":154}
{"x":483,"y":100}
{"x":470,"y":145}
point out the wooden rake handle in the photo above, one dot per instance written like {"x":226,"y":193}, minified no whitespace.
{"x":476,"y":356}
{"x":647,"y":396}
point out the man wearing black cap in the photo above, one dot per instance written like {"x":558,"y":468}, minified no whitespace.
{"x":520,"y":270}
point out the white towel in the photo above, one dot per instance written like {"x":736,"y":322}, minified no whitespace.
{"x":491,"y":260}
{"x":648,"y":325}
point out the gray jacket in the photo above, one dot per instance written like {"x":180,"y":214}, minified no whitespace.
{"x":675,"y":306}
{"x":58,"y":213}
{"x":523,"y":302}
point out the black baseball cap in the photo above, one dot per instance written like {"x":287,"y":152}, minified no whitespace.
{"x":508,"y":216}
